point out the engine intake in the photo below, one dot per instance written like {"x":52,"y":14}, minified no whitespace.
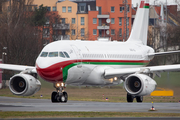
{"x":139,"y":84}
{"x":24,"y":85}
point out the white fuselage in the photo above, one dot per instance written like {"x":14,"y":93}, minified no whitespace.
{"x":87,"y":60}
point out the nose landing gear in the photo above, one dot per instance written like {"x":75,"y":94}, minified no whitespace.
{"x":60,"y":95}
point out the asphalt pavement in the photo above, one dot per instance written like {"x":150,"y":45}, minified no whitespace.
{"x":24,"y":104}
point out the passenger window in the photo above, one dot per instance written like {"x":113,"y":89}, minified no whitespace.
{"x":61,"y":54}
{"x":53,"y":54}
{"x":44,"y":54}
{"x":66,"y":54}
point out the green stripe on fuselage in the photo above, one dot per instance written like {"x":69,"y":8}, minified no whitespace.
{"x":146,"y":7}
{"x":65,"y":69}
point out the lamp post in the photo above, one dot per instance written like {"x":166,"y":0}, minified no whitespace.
{"x":3,"y":53}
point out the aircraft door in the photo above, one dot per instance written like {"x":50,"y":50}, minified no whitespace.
{"x":78,"y":54}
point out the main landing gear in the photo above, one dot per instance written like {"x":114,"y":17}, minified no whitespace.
{"x":130,"y":98}
{"x":60,"y":95}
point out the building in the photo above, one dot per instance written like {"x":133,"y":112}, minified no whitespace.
{"x":108,"y":21}
{"x":86,"y":19}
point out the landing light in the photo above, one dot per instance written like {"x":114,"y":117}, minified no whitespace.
{"x":115,"y":78}
{"x":62,"y":84}
{"x":57,"y":84}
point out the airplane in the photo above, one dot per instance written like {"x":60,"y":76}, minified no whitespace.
{"x":94,"y":63}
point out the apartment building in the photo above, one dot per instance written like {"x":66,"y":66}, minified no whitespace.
{"x":107,"y":20}
{"x":74,"y":17}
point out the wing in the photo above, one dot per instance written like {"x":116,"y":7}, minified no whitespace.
{"x":32,"y":69}
{"x":120,"y":72}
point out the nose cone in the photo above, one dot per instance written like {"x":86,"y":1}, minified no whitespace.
{"x":49,"y":72}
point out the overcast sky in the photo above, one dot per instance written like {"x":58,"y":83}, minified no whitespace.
{"x":152,"y":1}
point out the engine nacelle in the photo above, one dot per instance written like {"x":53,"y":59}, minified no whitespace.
{"x":24,"y":85}
{"x":139,"y":84}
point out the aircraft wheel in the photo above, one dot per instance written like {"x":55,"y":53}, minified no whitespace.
{"x":63,"y":97}
{"x":139,"y":99}
{"x":130,"y":98}
{"x":53,"y":97}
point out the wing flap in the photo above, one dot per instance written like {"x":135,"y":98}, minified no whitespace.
{"x":120,"y":72}
{"x":17,"y":67}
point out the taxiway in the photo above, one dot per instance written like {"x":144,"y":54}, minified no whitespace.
{"x":23,"y":104}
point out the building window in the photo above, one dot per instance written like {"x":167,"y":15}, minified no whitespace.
{"x":94,"y":21}
{"x":30,"y":8}
{"x":128,"y":32}
{"x":64,"y":9}
{"x":63,"y":20}
{"x":82,"y":20}
{"x":46,"y":32}
{"x":69,"y":9}
{"x":120,"y":32}
{"x":73,"y":21}
{"x":54,"y":9}
{"x":94,"y":32}
{"x":56,"y":20}
{"x":35,"y":8}
{"x":127,"y":21}
{"x":121,"y":9}
{"x":120,"y":21}
{"x":100,"y":33}
{"x":82,"y":8}
{"x":112,"y":9}
{"x":127,"y":8}
{"x":112,"y":32}
{"x":47,"y":20}
{"x":48,"y":8}
{"x":73,"y":32}
{"x":112,"y":20}
{"x":82,"y":31}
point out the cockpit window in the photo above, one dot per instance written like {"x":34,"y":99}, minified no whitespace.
{"x":44,"y":54}
{"x":61,"y":54}
{"x":66,"y":54}
{"x":53,"y":54}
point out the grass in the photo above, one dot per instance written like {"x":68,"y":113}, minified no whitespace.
{"x":114,"y":94}
{"x":83,"y":114}
{"x":170,"y":81}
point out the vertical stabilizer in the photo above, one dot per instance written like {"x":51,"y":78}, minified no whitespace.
{"x":140,"y":25}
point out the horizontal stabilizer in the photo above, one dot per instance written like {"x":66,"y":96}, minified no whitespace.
{"x":163,"y":53}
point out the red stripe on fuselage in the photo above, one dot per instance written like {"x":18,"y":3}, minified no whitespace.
{"x":54,"y":73}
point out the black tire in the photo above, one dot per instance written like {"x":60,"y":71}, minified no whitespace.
{"x":66,"y":96}
{"x":130,"y":98}
{"x":53,"y":97}
{"x":139,"y":99}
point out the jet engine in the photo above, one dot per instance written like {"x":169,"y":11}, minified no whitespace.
{"x":139,"y":84}
{"x":24,"y":85}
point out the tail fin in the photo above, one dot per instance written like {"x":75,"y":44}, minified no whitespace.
{"x":140,"y":25}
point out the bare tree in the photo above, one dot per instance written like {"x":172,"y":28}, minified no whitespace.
{"x":17,"y":33}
